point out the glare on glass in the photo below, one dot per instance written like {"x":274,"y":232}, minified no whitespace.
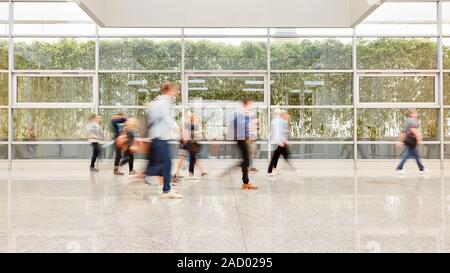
{"x":311,"y":89}
{"x":55,"y":89}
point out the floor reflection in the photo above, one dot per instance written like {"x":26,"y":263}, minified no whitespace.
{"x":74,"y":211}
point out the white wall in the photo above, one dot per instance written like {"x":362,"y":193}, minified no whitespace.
{"x":225,"y":13}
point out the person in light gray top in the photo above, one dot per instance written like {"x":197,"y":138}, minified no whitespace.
{"x":159,"y":116}
{"x":280,"y":135}
{"x":95,"y":135}
{"x":162,"y":128}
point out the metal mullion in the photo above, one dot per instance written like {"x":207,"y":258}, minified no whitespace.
{"x":139,"y":71}
{"x":54,"y":36}
{"x":359,"y":36}
{"x":138,"y":36}
{"x":96,"y":84}
{"x":44,"y":105}
{"x":440,"y":85}
{"x":184,"y":81}
{"x":397,"y":72}
{"x":392,"y":142}
{"x":312,"y":71}
{"x":52,"y":142}
{"x":311,"y":107}
{"x":407,"y":105}
{"x":55,"y":73}
{"x":122,"y":106}
{"x":321,"y":142}
{"x":355,"y":98}
{"x":269,"y":97}
{"x":314,"y":36}
{"x":225,"y":142}
{"x":218,"y":36}
{"x":225,"y":73}
{"x":212,"y":105}
{"x":10,"y":84}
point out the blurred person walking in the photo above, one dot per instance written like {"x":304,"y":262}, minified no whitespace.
{"x":410,"y":138}
{"x":252,"y":142}
{"x":117,"y":123}
{"x":162,"y":128}
{"x":191,"y":135}
{"x":241,"y":130}
{"x":279,"y":136}
{"x":95,"y":135}
{"x":131,"y":134}
{"x":189,"y":148}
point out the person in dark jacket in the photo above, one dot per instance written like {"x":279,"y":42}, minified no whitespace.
{"x":117,"y":122}
{"x":131,"y":130}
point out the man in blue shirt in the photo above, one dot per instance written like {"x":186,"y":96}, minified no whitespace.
{"x":242,"y":136}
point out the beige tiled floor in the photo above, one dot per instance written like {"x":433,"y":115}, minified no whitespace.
{"x":317,"y":211}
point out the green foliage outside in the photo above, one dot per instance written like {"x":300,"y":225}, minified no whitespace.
{"x":287,"y":88}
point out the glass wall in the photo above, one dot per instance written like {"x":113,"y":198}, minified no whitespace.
{"x":347,"y":90}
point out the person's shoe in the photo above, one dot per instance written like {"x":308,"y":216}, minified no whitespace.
{"x":133,"y":172}
{"x":253,"y":170}
{"x":93,"y":169}
{"x":192,"y":177}
{"x":147,"y":180}
{"x":249,"y":186}
{"x":204,"y":174}
{"x":171,"y":195}
{"x":176,"y":178}
{"x":401,"y":172}
{"x":423,"y":173}
{"x":117,"y":172}
{"x":270,"y":175}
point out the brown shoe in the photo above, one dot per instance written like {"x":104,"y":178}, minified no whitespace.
{"x":249,"y":186}
{"x":117,"y":172}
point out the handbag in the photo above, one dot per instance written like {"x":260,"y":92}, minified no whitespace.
{"x":410,"y":140}
{"x":194,"y":147}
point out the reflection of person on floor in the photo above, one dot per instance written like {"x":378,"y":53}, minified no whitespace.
{"x":410,"y":138}
{"x":280,"y":134}
{"x":95,"y":135}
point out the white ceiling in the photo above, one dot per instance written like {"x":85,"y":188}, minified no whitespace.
{"x":228,"y":13}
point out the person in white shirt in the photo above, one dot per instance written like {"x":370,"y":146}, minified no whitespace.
{"x":95,"y":135}
{"x":162,"y":128}
{"x":280,"y":134}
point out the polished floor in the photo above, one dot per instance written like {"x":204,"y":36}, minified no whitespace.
{"x":318,"y":211}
